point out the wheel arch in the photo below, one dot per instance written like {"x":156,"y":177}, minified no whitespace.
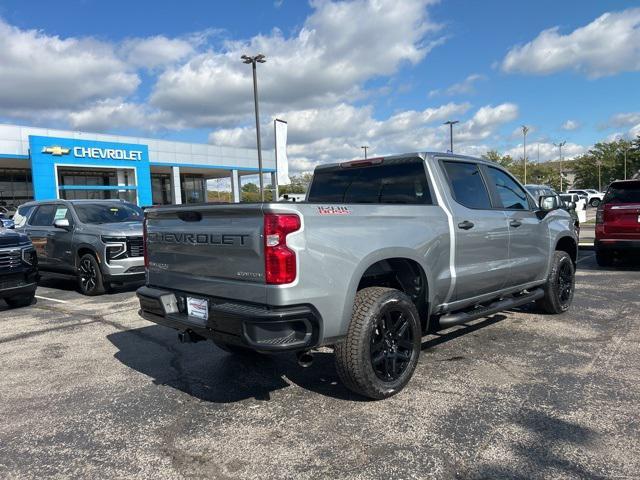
{"x":569,"y":245}
{"x":391,"y":267}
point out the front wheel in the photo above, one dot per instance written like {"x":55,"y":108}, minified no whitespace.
{"x":90,"y":279}
{"x":595,"y":202}
{"x":20,"y":301}
{"x":558,"y":291}
{"x":380,"y":352}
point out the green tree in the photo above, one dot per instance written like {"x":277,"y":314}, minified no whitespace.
{"x":299,"y":184}
{"x":604,"y":163}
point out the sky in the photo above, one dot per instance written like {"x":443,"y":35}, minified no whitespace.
{"x":382,"y":73}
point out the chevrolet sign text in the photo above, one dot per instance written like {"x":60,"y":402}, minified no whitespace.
{"x":113,"y":153}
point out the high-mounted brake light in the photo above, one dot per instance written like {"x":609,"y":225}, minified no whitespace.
{"x":362,"y":163}
{"x":280,"y":260}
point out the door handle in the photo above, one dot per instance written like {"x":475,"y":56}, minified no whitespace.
{"x":466,"y":225}
{"x":515,"y":223}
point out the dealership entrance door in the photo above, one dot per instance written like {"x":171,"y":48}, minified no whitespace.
{"x":96,"y":183}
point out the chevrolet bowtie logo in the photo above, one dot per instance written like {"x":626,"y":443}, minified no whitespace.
{"x":57,"y":151}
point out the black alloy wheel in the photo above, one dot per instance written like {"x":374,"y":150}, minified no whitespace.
{"x":391,"y":344}
{"x":89,"y":276}
{"x":565,"y":283}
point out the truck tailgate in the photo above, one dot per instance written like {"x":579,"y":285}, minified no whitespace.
{"x":213,"y":250}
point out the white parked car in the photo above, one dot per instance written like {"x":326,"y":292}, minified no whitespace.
{"x":594,"y":197}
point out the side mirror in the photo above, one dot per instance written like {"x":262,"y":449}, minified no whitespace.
{"x":62,"y":223}
{"x":548,"y":203}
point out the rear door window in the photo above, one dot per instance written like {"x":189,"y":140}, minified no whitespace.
{"x":396,"y":181}
{"x":467,"y":185}
{"x":21,"y":215}
{"x":43,"y":216}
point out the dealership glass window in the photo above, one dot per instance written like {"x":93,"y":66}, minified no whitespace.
{"x":16,"y":186}
{"x":127,"y":195}
{"x":161,"y":188}
{"x":193,"y":188}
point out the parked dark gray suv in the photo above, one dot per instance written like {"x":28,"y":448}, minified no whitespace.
{"x":98,"y":241}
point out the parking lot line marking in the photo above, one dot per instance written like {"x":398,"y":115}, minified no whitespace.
{"x":584,"y":258}
{"x":51,"y":299}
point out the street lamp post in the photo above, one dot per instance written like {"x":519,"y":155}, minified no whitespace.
{"x":451,"y":124}
{"x":560,"y":145}
{"x":599,"y":164}
{"x":365,"y":148}
{"x":525,"y":129}
{"x":260,"y":58}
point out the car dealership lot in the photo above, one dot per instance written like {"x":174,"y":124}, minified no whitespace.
{"x":89,"y":390}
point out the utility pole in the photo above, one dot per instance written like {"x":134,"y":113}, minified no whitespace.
{"x":260,"y":58}
{"x":525,"y":130}
{"x":451,"y":124}
{"x":599,"y":164}
{"x":538,"y":161}
{"x":560,"y":145}
{"x":365,"y":147}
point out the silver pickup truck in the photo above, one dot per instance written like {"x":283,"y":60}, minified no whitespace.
{"x":381,"y":252}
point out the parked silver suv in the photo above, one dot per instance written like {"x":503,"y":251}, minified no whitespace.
{"x":98,"y":241}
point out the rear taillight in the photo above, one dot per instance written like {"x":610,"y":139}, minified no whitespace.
{"x":144,"y":243}
{"x":599,"y":215}
{"x":280,"y":260}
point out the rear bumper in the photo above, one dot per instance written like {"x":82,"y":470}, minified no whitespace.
{"x":616,"y":244}
{"x":258,"y":327}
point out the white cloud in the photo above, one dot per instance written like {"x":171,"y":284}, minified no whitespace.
{"x":333,"y":134}
{"x":630,"y":120}
{"x":153,"y":52}
{"x":483,"y":124}
{"x":40,"y":73}
{"x":467,"y":86}
{"x":326,"y":62}
{"x":547,"y":151}
{"x":606,"y":46}
{"x":570,"y":125}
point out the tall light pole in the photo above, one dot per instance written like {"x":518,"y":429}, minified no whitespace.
{"x":451,"y":124}
{"x":599,"y":164}
{"x":365,"y":148}
{"x":560,"y":145}
{"x":525,"y":129}
{"x":260,"y":58}
{"x":625,"y":161}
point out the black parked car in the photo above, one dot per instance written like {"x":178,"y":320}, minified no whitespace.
{"x":18,"y":269}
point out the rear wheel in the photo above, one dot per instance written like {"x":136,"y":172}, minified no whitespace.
{"x":380,"y":352}
{"x":595,"y":202}
{"x":90,"y":279}
{"x":558,"y":291}
{"x":20,"y":301}
{"x":604,"y":258}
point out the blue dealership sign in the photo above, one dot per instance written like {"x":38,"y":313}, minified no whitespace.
{"x":47,"y":153}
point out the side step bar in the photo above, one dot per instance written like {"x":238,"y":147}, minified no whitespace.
{"x":456,"y":318}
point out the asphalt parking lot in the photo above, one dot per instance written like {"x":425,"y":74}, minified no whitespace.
{"x":89,"y":390}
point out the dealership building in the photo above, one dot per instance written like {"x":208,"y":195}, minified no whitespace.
{"x":44,"y":164}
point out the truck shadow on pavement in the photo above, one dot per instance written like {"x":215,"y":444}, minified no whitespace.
{"x":70,"y":284}
{"x":208,"y":373}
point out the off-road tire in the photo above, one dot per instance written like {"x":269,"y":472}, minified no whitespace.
{"x":604,"y":258}
{"x":353,"y":353}
{"x":556,"y":299}
{"x":96,"y":286}
{"x":20,"y":301}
